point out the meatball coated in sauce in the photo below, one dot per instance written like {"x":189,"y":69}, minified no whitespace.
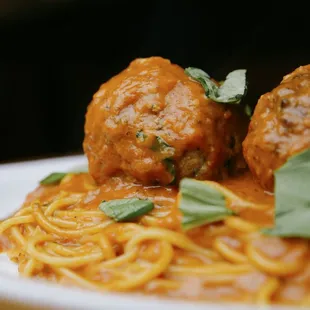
{"x":152,"y":122}
{"x":280,"y":126}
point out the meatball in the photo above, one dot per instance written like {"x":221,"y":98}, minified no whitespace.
{"x":154,"y":123}
{"x":280,"y":126}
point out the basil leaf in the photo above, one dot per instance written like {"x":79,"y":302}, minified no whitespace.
{"x":292,"y":224}
{"x":56,"y":177}
{"x":232,"y":90}
{"x":140,"y":135}
{"x":234,"y":87}
{"x":292,"y":198}
{"x":211,"y":89}
{"x":126,"y":209}
{"x":170,"y":167}
{"x":201,"y":204}
{"x":53,"y":178}
{"x":160,"y":145}
{"x":198,"y":74}
{"x":248,"y":110}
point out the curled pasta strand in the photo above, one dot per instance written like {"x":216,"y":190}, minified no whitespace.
{"x":150,"y":221}
{"x":23,"y":219}
{"x":218,"y":231}
{"x":267,"y":290}
{"x":58,"y":204}
{"x":103,"y":242}
{"x":92,"y":271}
{"x":212,"y":269}
{"x":29,"y":228}
{"x":17,"y":236}
{"x":126,"y":236}
{"x":129,"y":256}
{"x":68,"y":251}
{"x":84,"y":245}
{"x":72,"y":262}
{"x":79,"y":280}
{"x":62,"y":223}
{"x":29,"y":268}
{"x":174,"y":238}
{"x":23,"y":211}
{"x":272,"y":266}
{"x":128,"y":231}
{"x":130,"y":282}
{"x":240,"y":224}
{"x":49,"y":227}
{"x":220,"y":279}
{"x":143,"y":277}
{"x":80,"y":213}
{"x":105,"y":245}
{"x":229,"y":253}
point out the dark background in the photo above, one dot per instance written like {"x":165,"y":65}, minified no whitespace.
{"x":55,"y":54}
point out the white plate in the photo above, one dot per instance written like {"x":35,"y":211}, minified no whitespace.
{"x":16,"y":180}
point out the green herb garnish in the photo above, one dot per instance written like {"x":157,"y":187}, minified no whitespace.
{"x":56,"y":177}
{"x":126,"y":209}
{"x":232,"y":90}
{"x":170,"y":167}
{"x":201,"y":204}
{"x":160,"y":145}
{"x":248,"y":110}
{"x":53,"y":178}
{"x":141,"y":136}
{"x":292,"y":198}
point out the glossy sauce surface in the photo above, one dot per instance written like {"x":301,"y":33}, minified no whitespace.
{"x":280,"y":126}
{"x":154,"y":99}
{"x":293,"y":285}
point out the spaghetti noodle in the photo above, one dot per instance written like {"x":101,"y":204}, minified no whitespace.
{"x":59,"y":234}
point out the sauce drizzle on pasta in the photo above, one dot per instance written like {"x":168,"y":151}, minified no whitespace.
{"x":60,"y":234}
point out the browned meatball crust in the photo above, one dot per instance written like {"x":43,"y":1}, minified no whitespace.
{"x":280,"y":126}
{"x":154,"y":123}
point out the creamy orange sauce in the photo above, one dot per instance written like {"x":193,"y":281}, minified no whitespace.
{"x":293,"y":285}
{"x":245,"y":186}
{"x":115,"y":188}
{"x":280,"y":126}
{"x":154,"y":98}
{"x":146,"y":129}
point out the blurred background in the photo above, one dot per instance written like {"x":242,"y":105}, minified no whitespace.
{"x":56,"y":53}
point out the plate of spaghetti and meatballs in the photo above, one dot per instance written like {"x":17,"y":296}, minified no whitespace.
{"x":183,"y":198}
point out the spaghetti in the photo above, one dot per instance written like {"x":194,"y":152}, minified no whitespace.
{"x":61,"y":235}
